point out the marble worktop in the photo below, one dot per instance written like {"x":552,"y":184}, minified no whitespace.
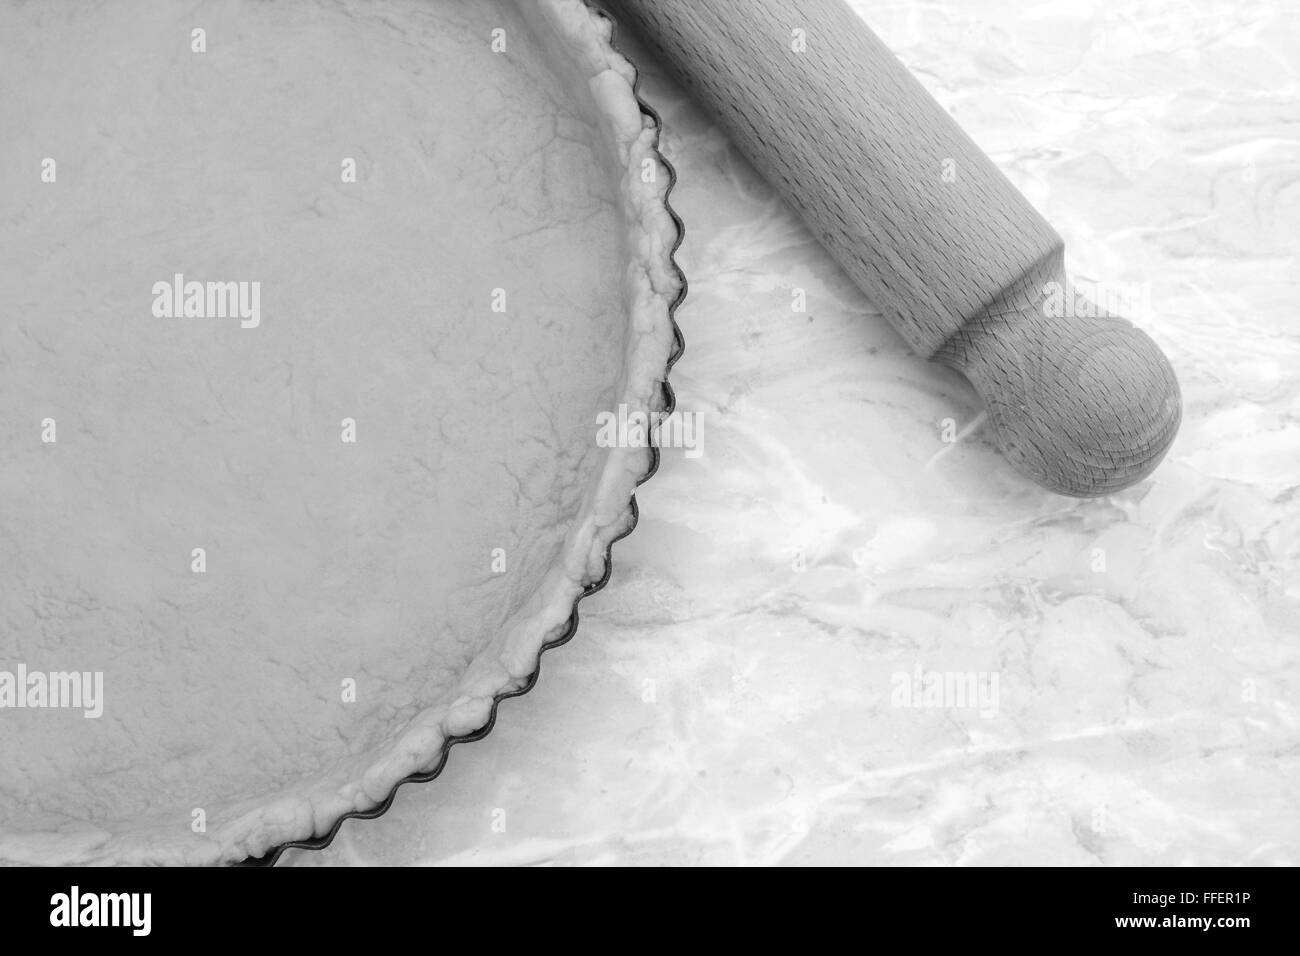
{"x":751,"y":688}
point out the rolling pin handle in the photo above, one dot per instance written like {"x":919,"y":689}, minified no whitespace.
{"x":1080,"y":400}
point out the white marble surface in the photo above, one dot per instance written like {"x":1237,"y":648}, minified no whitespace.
{"x":729,"y":697}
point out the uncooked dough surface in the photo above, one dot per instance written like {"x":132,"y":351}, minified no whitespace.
{"x":456,"y":310}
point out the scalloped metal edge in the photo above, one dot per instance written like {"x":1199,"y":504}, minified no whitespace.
{"x":669,"y":401}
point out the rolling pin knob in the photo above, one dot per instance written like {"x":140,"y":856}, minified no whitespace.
{"x":1081,"y":401}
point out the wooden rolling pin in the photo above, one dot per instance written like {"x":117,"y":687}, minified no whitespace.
{"x":960,"y":263}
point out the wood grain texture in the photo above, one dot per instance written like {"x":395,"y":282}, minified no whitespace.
{"x":927,"y":225}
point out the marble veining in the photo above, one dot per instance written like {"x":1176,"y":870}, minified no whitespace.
{"x":736,"y":695}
